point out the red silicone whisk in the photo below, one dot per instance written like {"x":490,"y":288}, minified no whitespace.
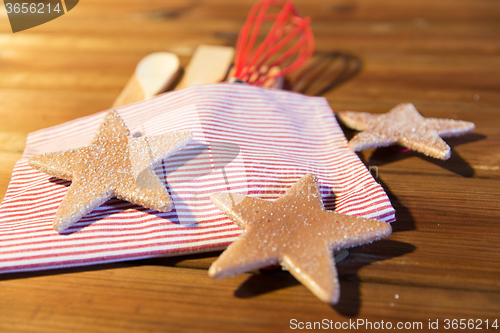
{"x":288,"y":44}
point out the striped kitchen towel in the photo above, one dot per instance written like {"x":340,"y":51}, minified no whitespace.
{"x":248,"y":140}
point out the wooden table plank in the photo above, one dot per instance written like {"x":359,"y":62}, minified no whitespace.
{"x":443,"y":259}
{"x":184,"y":299}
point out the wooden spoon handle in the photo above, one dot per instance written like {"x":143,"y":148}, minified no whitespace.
{"x":153,"y":75}
{"x":209,"y":64}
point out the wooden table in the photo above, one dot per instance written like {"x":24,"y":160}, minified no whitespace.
{"x":443,"y":259}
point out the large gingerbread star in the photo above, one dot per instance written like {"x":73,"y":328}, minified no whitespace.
{"x":294,"y":231}
{"x":114,"y":164}
{"x":405,"y":126}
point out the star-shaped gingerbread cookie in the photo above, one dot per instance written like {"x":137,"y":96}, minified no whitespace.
{"x":114,"y":164}
{"x":404,"y":125}
{"x":294,"y":231}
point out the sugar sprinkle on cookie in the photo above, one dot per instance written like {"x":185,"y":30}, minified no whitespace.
{"x":294,"y":231}
{"x":114,"y":164}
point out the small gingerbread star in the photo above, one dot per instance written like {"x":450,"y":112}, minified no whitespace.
{"x":404,"y":125}
{"x":114,"y":164}
{"x":294,"y":231}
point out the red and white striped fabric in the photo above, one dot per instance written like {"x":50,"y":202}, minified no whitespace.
{"x":248,"y":140}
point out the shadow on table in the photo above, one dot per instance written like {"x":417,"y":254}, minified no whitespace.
{"x":267,"y":281}
{"x":404,"y":219}
{"x":275,"y":279}
{"x":324,"y":72}
{"x":60,"y":271}
{"x":455,"y":163}
{"x":270,"y":280}
{"x":350,"y":296}
{"x":157,"y":261}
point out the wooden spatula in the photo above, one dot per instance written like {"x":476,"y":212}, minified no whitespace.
{"x":209,"y":64}
{"x":153,"y":75}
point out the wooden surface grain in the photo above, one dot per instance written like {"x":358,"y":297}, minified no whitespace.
{"x":443,"y":259}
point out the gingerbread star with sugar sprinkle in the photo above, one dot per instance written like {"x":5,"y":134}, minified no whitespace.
{"x":404,"y":125}
{"x":114,"y":164}
{"x":294,"y":231}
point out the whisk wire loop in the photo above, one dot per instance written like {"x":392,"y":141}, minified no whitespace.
{"x":289,"y":35}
